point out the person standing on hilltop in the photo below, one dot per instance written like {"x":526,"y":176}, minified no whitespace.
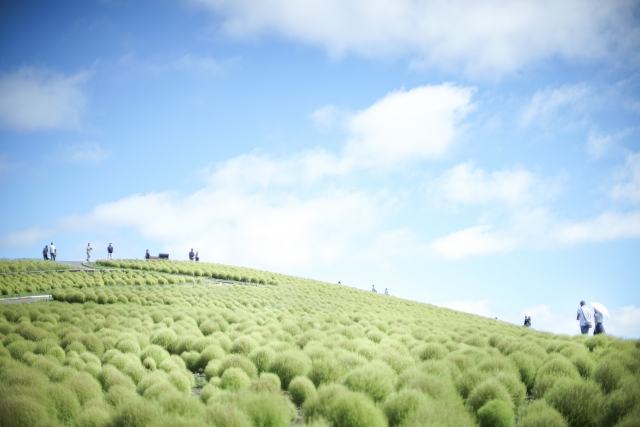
{"x":599,"y":329}
{"x":191,"y":255}
{"x":373,"y":289}
{"x":584,"y":316}
{"x":45,"y":253}
{"x":52,"y":252}
{"x":109,"y":251}
{"x":89,"y":249}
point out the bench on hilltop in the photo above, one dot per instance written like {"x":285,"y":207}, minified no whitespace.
{"x":160,"y":256}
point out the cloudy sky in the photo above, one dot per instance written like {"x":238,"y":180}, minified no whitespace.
{"x":481,"y":155}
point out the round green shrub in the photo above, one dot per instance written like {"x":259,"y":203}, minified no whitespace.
{"x":238,"y":361}
{"x":262,"y":357}
{"x":398,"y":406}
{"x":234,"y":379}
{"x":226,"y":415}
{"x":136,"y":413}
{"x":183,"y":381}
{"x":554,"y":368}
{"x":21,"y":411}
{"x":580,"y":402}
{"x":156,"y":352}
{"x":65,"y":402}
{"x":622,"y":401}
{"x":212,"y":352}
{"x":326,"y":370}
{"x":489,"y":389}
{"x":95,"y":415}
{"x":496,"y":413}
{"x":343,"y":408}
{"x":85,"y":387}
{"x":584,"y":363}
{"x":244,"y":345}
{"x":608,"y":374}
{"x":468,"y":380}
{"x":431,"y":351}
{"x":290,"y":364}
{"x":527,"y":367}
{"x":300,"y":388}
{"x":375,"y":379}
{"x":515,"y":387}
{"x":539,"y":414}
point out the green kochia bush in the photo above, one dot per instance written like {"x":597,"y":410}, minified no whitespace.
{"x":290,"y":364}
{"x":540,"y":414}
{"x":398,"y":406}
{"x":343,"y":408}
{"x":300,"y":388}
{"x":234,"y":379}
{"x":496,"y":413}
{"x":375,"y":379}
{"x":580,"y":402}
{"x":488,"y":390}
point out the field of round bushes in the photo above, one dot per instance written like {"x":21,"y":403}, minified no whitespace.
{"x":25,"y":283}
{"x":305,"y":352}
{"x":11,"y":266}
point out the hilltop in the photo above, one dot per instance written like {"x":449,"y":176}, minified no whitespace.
{"x":179,"y":343}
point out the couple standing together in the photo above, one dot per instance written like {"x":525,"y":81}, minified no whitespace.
{"x":584,"y":316}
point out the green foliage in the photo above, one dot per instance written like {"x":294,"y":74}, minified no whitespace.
{"x":375,"y":379}
{"x":608,"y":374}
{"x":234,"y":379}
{"x":540,"y":414}
{"x":380,"y":353}
{"x":300,"y":388}
{"x":343,"y":408}
{"x":20,"y":411}
{"x":495,"y":413}
{"x":489,"y":389}
{"x":398,"y":406}
{"x":580,"y":402}
{"x":290,"y":364}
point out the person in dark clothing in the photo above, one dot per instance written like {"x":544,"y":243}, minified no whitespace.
{"x":197,"y":257}
{"x":109,"y":251}
{"x":146,"y":255}
{"x":45,"y":252}
{"x":527,"y":321}
{"x":191,"y":255}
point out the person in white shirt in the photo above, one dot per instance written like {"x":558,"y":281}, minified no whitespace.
{"x":89,"y":248}
{"x":52,"y":252}
{"x":584,"y":316}
{"x":599,"y":329}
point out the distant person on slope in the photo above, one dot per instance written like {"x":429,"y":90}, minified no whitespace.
{"x":584,"y":316}
{"x":197,"y":257}
{"x":373,"y":289}
{"x":146,"y":255}
{"x":89,"y":249}
{"x":110,"y":251}
{"x":191,"y":255}
{"x":45,"y":253}
{"x":386,"y":291}
{"x":527,"y":321}
{"x":52,"y":252}
{"x":599,"y":329}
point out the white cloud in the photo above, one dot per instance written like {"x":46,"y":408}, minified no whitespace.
{"x":488,"y":36}
{"x":629,"y":187}
{"x":33,"y":99}
{"x":407,"y":126}
{"x":473,"y":241}
{"x":326,"y":116}
{"x":547,"y":105}
{"x":465,"y":184}
{"x":604,"y":227}
{"x":90,"y":153}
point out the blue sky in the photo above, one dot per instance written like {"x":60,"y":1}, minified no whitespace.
{"x":482,"y":155}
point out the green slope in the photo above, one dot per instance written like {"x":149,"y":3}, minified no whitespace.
{"x":124,"y":348}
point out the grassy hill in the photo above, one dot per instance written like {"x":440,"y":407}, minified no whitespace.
{"x":175,"y":343}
